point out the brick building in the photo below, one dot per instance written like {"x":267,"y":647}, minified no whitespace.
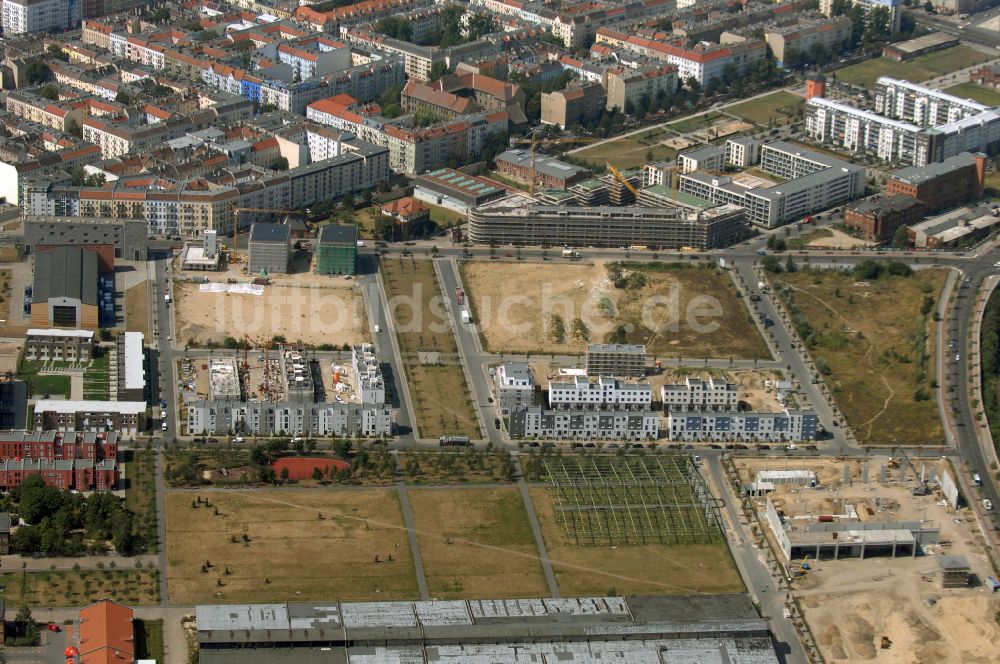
{"x":124,"y":417}
{"x":944,"y":184}
{"x":107,"y":632}
{"x":878,"y":217}
{"x":82,"y":461}
{"x":549,"y":173}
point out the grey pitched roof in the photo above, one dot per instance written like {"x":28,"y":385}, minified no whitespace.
{"x":65,"y":272}
{"x":4,"y":522}
{"x":338,"y":234}
{"x":269,"y":233}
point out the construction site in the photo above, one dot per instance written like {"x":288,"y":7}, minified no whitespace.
{"x":883,"y":558}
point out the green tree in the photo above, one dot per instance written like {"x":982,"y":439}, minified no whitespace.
{"x":438,"y":69}
{"x":123,"y":98}
{"x":901,"y":239}
{"x":37,"y":72}
{"x":49,"y":91}
{"x":280,"y":164}
{"x":928,"y":7}
{"x":161,"y":15}
{"x":480,"y":25}
{"x":57,"y":53}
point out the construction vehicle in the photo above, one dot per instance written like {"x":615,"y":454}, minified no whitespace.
{"x":534,"y":142}
{"x":236,"y":222}
{"x":570,"y":253}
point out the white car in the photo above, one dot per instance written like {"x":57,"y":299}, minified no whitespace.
{"x":237,"y":439}
{"x":164,"y":426}
{"x":163,"y":414}
{"x":378,"y":328}
{"x":792,"y":447}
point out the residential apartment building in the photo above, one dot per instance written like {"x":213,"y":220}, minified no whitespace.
{"x":269,"y":248}
{"x":742,"y":151}
{"x":602,"y":393}
{"x":417,"y":97}
{"x":127,"y":236}
{"x":703,"y":61}
{"x":815,"y":182}
{"x":924,"y":107}
{"x":72,"y":475}
{"x":879,"y":217}
{"x":784,"y":426}
{"x":58,"y":445}
{"x":941,"y":185}
{"x":29,"y":16}
{"x":616,"y":360}
{"x":46,"y":112}
{"x":123,"y":417}
{"x":513,"y":387}
{"x":628,"y":87}
{"x":709,"y":158}
{"x":59,"y":345}
{"x":695,"y":395}
{"x":128,"y":383}
{"x":793,"y":41}
{"x":565,"y":108}
{"x":536,"y":422}
{"x":654,"y":227}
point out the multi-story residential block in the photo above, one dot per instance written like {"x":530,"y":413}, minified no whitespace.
{"x":603,"y":393}
{"x":513,"y":387}
{"x":123,"y":417}
{"x":536,"y":422}
{"x":742,"y":151}
{"x":699,"y":396}
{"x":572,"y":105}
{"x":28,"y":16}
{"x":55,"y":114}
{"x":788,"y":425}
{"x":667,"y":228}
{"x":628,"y":87}
{"x":709,"y":158}
{"x":951,"y":182}
{"x":789,"y":42}
{"x":815,"y":182}
{"x":128,"y":383}
{"x":72,"y":475}
{"x":59,"y":345}
{"x":924,"y":107}
{"x":616,"y":360}
{"x":878,"y":217}
{"x":894,"y":8}
{"x":58,"y":445}
{"x":417,"y":97}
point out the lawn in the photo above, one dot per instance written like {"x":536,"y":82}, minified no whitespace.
{"x":697,"y":122}
{"x":437,"y":387}
{"x":444,"y":217}
{"x":365,"y":219}
{"x":779,"y":107}
{"x":636,"y":569}
{"x":279,"y":546}
{"x":81,"y":587}
{"x":916,"y":70}
{"x":875,"y":340}
{"x":137,"y":308}
{"x":970,"y":90}
{"x":96,"y":379}
{"x":149,"y":639}
{"x":40,"y":386}
{"x":629,"y":151}
{"x":476,"y":543}
{"x":138,"y":472}
{"x":675,"y":309}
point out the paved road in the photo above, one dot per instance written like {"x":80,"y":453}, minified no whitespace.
{"x":757,"y":577}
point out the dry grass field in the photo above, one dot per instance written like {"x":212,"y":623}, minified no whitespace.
{"x":81,"y":587}
{"x":653,"y":569}
{"x":476,"y":543}
{"x":877,"y":338}
{"x":291,"y":553}
{"x":517,"y":307}
{"x":137,"y":308}
{"x":441,"y":398}
{"x":307,"y":308}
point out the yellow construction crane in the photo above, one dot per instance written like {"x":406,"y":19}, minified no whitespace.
{"x":236,"y":221}
{"x":624,"y":180}
{"x":534,"y":141}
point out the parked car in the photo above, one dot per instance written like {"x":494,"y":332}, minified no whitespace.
{"x":53,"y":627}
{"x":237,"y":440}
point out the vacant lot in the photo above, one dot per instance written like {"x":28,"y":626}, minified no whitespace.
{"x":779,"y":107}
{"x":477,"y":543}
{"x":307,"y":308}
{"x":917,"y":70}
{"x":297,"y":546}
{"x":630,"y":151}
{"x":437,"y":387}
{"x":970,"y":90}
{"x":875,"y":339}
{"x":558,"y":307}
{"x":651,"y":569}
{"x":79,"y":588}
{"x":137,"y":308}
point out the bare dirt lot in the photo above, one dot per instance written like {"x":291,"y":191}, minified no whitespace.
{"x":476,"y":543}
{"x":306,"y":308}
{"x":850,"y":604}
{"x":652,"y":569}
{"x":302,"y":545}
{"x":677,"y":310}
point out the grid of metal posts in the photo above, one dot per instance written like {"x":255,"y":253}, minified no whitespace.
{"x":657,"y":499}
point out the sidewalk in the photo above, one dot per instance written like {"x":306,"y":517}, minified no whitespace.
{"x":14,"y":563}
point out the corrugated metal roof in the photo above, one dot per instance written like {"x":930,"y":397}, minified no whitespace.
{"x":65,"y":272}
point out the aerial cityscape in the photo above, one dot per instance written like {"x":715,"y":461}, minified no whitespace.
{"x":500,"y":331}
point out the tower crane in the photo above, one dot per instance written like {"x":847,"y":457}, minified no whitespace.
{"x":624,"y":180}
{"x":236,"y":220}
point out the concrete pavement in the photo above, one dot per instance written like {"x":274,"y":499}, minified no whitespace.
{"x":411,"y":535}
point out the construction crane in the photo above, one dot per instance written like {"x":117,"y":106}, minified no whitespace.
{"x":534,"y":141}
{"x":624,"y":180}
{"x":236,"y":221}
